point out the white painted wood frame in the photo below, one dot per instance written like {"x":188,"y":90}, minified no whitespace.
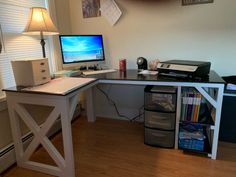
{"x":215,"y":101}
{"x":65,"y":106}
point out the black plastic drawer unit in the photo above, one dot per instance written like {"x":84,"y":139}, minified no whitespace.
{"x":161,"y":99}
{"x":164,"y":121}
{"x":155,"y":137}
{"x":160,"y":116}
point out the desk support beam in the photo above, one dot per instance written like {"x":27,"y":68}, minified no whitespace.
{"x":90,"y":105}
{"x":218,"y":108}
{"x":69,"y":169}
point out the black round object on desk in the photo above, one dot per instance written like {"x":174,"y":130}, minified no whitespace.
{"x":142,"y":63}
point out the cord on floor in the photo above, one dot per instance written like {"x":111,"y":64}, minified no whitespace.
{"x":112,"y":102}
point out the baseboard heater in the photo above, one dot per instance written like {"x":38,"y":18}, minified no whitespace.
{"x":7,"y":154}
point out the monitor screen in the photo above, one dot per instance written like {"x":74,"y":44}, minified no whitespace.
{"x":81,"y":48}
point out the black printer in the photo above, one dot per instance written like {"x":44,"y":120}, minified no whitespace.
{"x":184,"y":68}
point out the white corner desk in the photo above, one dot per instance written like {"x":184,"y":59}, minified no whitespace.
{"x":64,"y":106}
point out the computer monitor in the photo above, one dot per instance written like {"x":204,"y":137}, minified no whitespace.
{"x":77,"y":49}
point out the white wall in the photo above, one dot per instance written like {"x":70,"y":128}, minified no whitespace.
{"x":129,"y":100}
{"x":60,"y":13}
{"x":63,"y":15}
{"x":5,"y":129}
{"x":160,"y":29}
{"x":166,"y":30}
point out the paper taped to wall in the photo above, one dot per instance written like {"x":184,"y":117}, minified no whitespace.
{"x":110,"y":11}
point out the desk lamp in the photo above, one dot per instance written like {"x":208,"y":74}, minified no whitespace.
{"x":40,"y":23}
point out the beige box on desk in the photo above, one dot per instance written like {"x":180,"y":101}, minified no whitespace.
{"x":31,"y":72}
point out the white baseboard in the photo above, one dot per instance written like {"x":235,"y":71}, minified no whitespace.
{"x":7,"y":154}
{"x":7,"y":158}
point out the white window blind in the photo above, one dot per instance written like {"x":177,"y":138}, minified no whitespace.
{"x":13,"y":19}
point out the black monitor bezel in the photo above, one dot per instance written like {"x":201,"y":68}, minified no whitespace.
{"x":84,"y":61}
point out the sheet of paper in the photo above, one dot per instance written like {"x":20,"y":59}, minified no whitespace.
{"x":61,"y":85}
{"x":148,"y":72}
{"x":231,"y":86}
{"x":110,"y":11}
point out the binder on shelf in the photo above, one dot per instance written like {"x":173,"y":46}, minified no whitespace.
{"x":184,"y":104}
{"x":197,"y":107}
{"x":191,"y":105}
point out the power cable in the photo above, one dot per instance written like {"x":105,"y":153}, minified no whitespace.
{"x":112,"y":102}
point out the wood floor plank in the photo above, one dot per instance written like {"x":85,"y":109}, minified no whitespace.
{"x":115,"y":148}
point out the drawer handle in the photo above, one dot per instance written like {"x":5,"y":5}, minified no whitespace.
{"x":43,"y":71}
{"x":164,"y":118}
{"x":42,"y":64}
{"x":160,"y":117}
{"x":44,"y":78}
{"x":158,"y":135}
{"x":158,"y":123}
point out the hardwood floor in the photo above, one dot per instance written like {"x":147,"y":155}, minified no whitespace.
{"x":115,"y":148}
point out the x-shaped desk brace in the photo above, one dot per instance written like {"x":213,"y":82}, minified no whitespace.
{"x":63,"y":108}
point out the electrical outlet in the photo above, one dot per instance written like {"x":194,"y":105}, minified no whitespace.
{"x":192,"y":2}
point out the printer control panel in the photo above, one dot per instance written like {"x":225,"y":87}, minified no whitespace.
{"x":176,"y":67}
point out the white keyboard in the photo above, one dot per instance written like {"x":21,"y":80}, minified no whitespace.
{"x":98,"y":72}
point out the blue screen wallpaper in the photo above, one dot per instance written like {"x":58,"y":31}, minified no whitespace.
{"x":81,"y":48}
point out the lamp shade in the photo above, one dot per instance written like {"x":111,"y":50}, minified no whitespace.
{"x":40,"y":22}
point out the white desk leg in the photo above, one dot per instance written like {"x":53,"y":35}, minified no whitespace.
{"x":217,"y":121}
{"x":64,"y":107}
{"x":16,"y":132}
{"x":90,"y":105}
{"x":217,"y":104}
{"x":69,"y":170}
